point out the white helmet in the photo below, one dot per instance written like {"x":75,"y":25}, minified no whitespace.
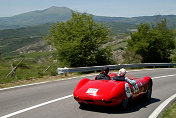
{"x":122,"y":72}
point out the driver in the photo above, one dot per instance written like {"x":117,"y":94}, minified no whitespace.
{"x":121,"y":77}
{"x":104,"y":74}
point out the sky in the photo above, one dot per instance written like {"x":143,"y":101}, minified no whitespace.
{"x":113,"y":8}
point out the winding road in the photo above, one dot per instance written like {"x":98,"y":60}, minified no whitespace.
{"x":55,"y":100}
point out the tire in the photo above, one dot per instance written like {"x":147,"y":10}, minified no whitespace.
{"x":124,"y":104}
{"x":81,"y":104}
{"x":149,"y":91}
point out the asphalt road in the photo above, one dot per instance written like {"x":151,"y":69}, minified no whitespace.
{"x":16,"y":99}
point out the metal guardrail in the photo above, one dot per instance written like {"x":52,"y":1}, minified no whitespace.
{"x":112,"y":67}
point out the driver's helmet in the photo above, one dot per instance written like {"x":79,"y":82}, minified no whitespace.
{"x":122,"y":72}
{"x":105,"y":70}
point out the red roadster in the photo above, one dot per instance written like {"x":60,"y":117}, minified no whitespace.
{"x":111,"y":92}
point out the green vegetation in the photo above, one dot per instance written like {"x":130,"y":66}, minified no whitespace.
{"x":153,"y":43}
{"x":174,"y":59}
{"x":78,"y":42}
{"x":170,"y":112}
{"x":119,"y":45}
{"x":117,"y":27}
{"x":33,"y":66}
{"x":13,"y":39}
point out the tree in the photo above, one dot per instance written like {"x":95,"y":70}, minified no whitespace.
{"x":154,"y":43}
{"x":79,"y":41}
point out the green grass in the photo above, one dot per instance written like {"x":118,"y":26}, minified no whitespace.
{"x":4,"y":70}
{"x":170,"y":112}
{"x":31,"y":55}
{"x":25,"y":72}
{"x":118,"y":46}
{"x":33,"y":66}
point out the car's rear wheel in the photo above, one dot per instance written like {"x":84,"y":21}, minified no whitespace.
{"x":149,"y":91}
{"x":81,"y":104}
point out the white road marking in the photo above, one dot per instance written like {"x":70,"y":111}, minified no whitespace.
{"x":164,"y":76}
{"x":139,"y":70}
{"x":36,"y":106}
{"x":24,"y":85}
{"x":160,"y":108}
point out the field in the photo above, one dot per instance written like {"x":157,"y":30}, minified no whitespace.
{"x":34,"y":65}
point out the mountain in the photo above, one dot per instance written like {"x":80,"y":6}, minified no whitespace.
{"x":171,"y":19}
{"x":54,"y":14}
{"x":50,"y":15}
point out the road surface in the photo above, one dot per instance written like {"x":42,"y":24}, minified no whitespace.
{"x":19,"y":99}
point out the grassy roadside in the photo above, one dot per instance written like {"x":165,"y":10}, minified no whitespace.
{"x":41,"y":79}
{"x":33,"y":66}
{"x":170,"y":112}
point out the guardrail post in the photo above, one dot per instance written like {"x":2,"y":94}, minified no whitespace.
{"x":65,"y":71}
{"x":62,"y":71}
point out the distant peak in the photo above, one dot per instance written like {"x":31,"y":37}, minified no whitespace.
{"x":55,"y":7}
{"x":52,"y":9}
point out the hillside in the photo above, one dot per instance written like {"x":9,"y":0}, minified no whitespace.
{"x":13,"y":41}
{"x":29,"y":39}
{"x":28,"y":29}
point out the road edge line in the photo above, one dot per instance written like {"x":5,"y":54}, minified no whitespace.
{"x":163,"y":106}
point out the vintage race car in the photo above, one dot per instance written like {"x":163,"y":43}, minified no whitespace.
{"x":111,"y":92}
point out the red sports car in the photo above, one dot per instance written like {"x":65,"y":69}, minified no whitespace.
{"x":111,"y":92}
